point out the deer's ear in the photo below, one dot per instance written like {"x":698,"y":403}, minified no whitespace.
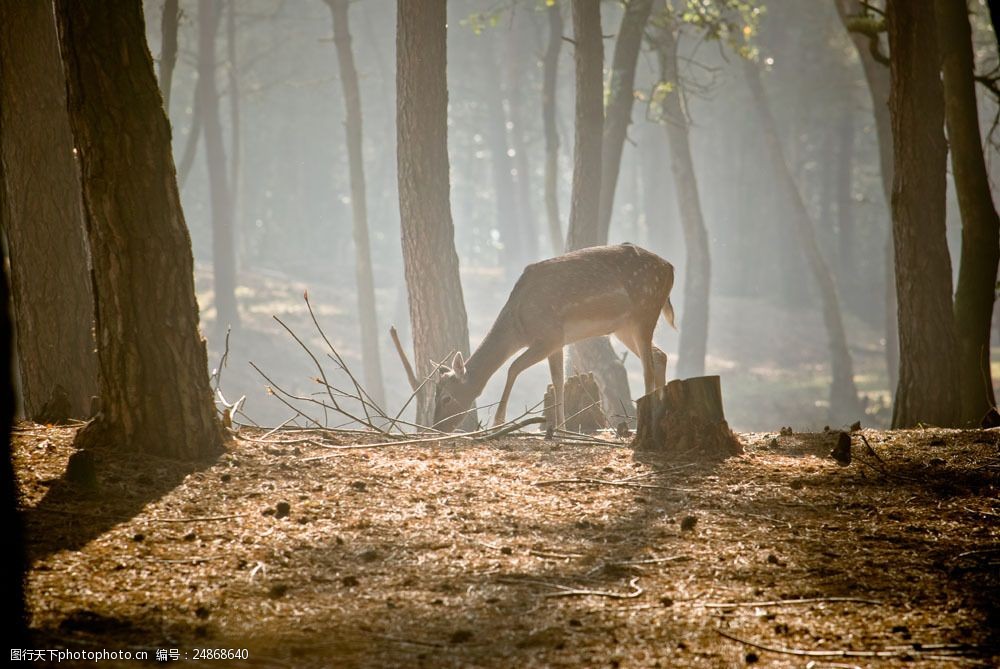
{"x":458,"y":364}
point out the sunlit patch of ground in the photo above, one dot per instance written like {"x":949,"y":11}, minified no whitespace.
{"x":523,"y":552}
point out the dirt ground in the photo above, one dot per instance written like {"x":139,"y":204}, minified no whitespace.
{"x":307,"y":551}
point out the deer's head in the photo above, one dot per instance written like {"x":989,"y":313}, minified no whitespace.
{"x":454,"y":395}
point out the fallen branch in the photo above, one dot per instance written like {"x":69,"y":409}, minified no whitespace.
{"x":195,"y":519}
{"x":784,"y":602}
{"x":407,"y":367}
{"x":619,"y":484}
{"x":567,"y":591}
{"x":897,"y":652}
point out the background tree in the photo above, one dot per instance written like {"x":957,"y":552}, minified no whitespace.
{"x":844,"y":405}
{"x":223,"y":243}
{"x":168,"y":49}
{"x":865,"y":33}
{"x":592,"y":355}
{"x":697,"y":266}
{"x":977,"y":272}
{"x":42,"y":220}
{"x":367,"y":317}
{"x":928,"y":390}
{"x":550,"y":66}
{"x":152,"y":369}
{"x":437,"y":308}
{"x":621,"y":96}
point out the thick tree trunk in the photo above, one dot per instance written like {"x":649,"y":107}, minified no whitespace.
{"x":618,"y":115}
{"x":844,"y":406}
{"x":977,"y":272}
{"x":507,"y":223}
{"x":437,"y":308}
{"x":550,"y":71}
{"x":14,"y":618}
{"x":698,"y":270}
{"x":153,"y":368}
{"x":928,"y":390}
{"x":42,"y":220}
{"x":877,"y":78}
{"x":367,"y":316}
{"x":168,"y":49}
{"x":220,"y":194}
{"x":595,"y":355}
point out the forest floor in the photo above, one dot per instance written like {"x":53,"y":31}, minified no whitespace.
{"x":522,"y":552}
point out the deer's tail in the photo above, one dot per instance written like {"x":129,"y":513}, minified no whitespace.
{"x":668,"y":312}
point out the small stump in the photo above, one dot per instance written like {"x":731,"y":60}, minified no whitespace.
{"x":685,"y":419}
{"x":581,"y":405}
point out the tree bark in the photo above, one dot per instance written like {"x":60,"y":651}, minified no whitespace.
{"x":437,"y":307}
{"x":235,"y":138}
{"x":367,"y":316}
{"x":594,"y":355}
{"x":928,"y":390}
{"x":618,"y":115}
{"x":977,"y":272}
{"x":550,"y":72}
{"x":877,"y":78}
{"x":152,"y":365}
{"x":42,"y":220}
{"x":698,"y":270}
{"x":168,"y":49}
{"x":220,"y":194}
{"x":844,"y":406}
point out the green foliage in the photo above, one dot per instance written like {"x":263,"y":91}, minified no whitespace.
{"x":480,"y":21}
{"x":733,"y":22}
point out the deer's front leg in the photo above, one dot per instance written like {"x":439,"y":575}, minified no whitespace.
{"x":556,"y":369}
{"x":533,"y":354}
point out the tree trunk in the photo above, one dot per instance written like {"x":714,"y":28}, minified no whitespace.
{"x":618,"y":116}
{"x":507,"y":224}
{"x":42,"y":220}
{"x":588,"y":56}
{"x":235,"y":139}
{"x":844,"y":406}
{"x":845,"y":202}
{"x":550,"y":72}
{"x":977,"y":272}
{"x":928,"y":390}
{"x":152,"y":365}
{"x":220,"y":195}
{"x":595,"y":355}
{"x":15,"y":615}
{"x":437,"y":308}
{"x":517,"y":65}
{"x":877,"y":78}
{"x":168,"y":49}
{"x":698,"y":270}
{"x":367,"y":316}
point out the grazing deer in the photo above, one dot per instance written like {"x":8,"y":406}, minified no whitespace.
{"x":618,"y":290}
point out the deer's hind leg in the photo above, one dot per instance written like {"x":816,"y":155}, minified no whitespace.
{"x":654,"y":360}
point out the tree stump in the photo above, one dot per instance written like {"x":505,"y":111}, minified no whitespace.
{"x":581,"y":405}
{"x":686,"y":419}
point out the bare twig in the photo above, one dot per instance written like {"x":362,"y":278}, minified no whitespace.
{"x":798,"y":652}
{"x":407,"y":367}
{"x":566,"y":591}
{"x":790,"y":602}
{"x":195,"y":519}
{"x":618,"y":484}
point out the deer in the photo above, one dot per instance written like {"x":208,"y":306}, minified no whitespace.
{"x":596,"y":291}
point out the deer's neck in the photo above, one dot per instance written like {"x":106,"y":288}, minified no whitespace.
{"x":500,"y":343}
